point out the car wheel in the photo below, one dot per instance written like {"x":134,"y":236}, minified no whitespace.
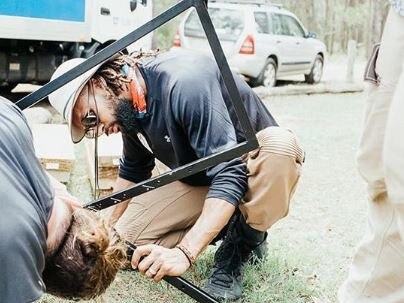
{"x":267,"y":77}
{"x":316,"y":71}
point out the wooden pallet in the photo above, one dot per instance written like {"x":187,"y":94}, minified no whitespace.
{"x":54,"y":149}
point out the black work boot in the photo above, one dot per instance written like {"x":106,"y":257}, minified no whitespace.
{"x":236,"y":249}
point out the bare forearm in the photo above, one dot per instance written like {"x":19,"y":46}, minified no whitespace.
{"x":215,"y":215}
{"x":174,"y":262}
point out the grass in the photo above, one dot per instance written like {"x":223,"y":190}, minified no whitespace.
{"x":274,"y":279}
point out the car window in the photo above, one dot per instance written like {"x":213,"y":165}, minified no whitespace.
{"x":292,"y":27}
{"x":228,"y":23}
{"x":261,"y":22}
{"x":276,"y":28}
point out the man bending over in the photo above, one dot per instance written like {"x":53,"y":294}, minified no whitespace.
{"x":179,"y":103}
{"x":47,"y":243}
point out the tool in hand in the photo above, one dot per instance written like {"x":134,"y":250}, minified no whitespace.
{"x":180,"y":283}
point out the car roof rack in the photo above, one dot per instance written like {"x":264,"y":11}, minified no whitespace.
{"x":255,"y":2}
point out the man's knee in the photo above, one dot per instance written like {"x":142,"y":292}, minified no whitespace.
{"x":274,"y":170}
{"x":281,"y":141}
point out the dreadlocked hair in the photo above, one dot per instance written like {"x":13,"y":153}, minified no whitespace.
{"x":110,"y":74}
{"x":88,"y":259}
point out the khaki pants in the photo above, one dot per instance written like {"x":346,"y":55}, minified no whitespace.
{"x":163,"y":216}
{"x":377,"y":270}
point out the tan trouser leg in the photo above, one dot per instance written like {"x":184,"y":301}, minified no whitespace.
{"x":377,"y":271}
{"x":162,"y":216}
{"x":273,"y":170}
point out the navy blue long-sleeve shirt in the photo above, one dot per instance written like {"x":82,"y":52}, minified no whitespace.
{"x":190,"y":117}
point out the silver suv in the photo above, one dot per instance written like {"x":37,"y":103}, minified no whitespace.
{"x":261,"y":41}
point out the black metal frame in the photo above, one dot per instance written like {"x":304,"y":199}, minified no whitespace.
{"x":183,"y":171}
{"x":180,"y":283}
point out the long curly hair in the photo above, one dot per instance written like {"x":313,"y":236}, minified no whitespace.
{"x":88,"y":259}
{"x":110,"y":74}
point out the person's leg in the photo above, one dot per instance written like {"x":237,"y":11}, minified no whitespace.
{"x":393,"y":156}
{"x":376,"y":272}
{"x":394,"y":153}
{"x":162,"y":216}
{"x":273,"y":172}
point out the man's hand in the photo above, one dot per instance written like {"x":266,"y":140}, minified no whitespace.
{"x":159,"y":261}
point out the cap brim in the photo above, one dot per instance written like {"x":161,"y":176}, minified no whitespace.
{"x":64,"y":99}
{"x":77,"y":134}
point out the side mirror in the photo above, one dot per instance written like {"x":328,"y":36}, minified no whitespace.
{"x":310,"y":35}
{"x":133,"y":5}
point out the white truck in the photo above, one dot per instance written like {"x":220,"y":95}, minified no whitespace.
{"x":36,"y":36}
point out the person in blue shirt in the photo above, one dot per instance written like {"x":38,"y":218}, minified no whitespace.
{"x":178,"y":102}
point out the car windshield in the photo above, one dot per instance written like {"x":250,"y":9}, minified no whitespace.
{"x":228,"y":23}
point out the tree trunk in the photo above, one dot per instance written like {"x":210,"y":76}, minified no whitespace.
{"x":378,"y":16}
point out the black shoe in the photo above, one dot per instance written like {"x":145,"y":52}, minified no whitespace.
{"x":224,"y":286}
{"x":260,"y":252}
{"x":236,"y":249}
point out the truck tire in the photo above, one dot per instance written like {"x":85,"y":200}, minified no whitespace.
{"x":316,"y":71}
{"x":6,"y":89}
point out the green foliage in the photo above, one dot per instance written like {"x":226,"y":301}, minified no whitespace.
{"x":164,"y":35}
{"x":338,"y":21}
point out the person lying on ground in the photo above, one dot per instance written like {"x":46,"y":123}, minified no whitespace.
{"x":47,"y":242}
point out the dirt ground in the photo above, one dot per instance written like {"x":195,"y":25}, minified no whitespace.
{"x":327,"y":217}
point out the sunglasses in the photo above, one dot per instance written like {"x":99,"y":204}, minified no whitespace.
{"x":90,"y":121}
